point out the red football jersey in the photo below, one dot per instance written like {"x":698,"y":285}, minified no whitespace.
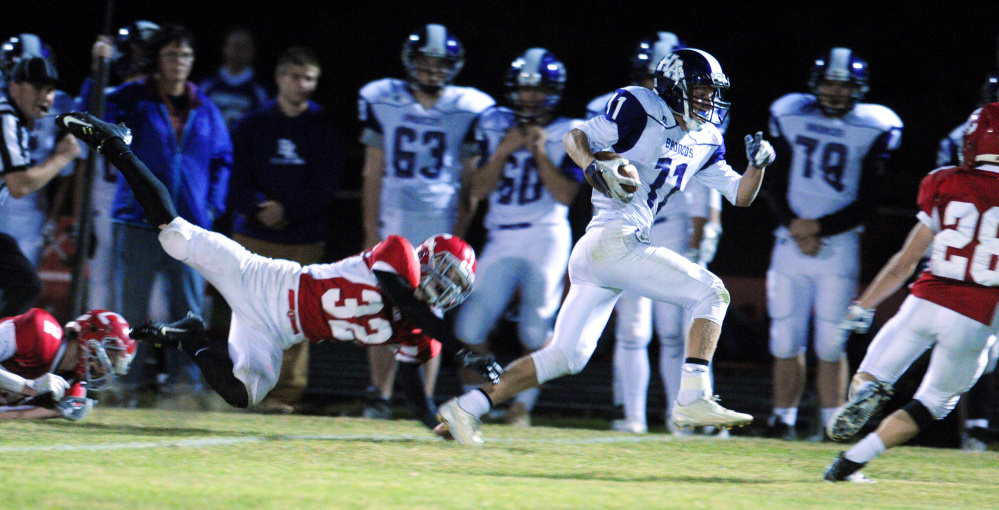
{"x":342,"y":301}
{"x":36,"y":340}
{"x":962,"y":206}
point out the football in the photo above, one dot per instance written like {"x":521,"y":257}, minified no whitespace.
{"x":628,"y":170}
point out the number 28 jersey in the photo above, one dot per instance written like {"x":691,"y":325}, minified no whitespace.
{"x":640,"y":126}
{"x":828,"y":154}
{"x":423,"y":146}
{"x":342,"y":301}
{"x":961,"y":206}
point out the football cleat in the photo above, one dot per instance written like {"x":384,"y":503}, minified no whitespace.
{"x":91,"y":130}
{"x":463,"y":425}
{"x":842,"y":469}
{"x":169,"y":336}
{"x":863,"y":405}
{"x":706,"y":411}
{"x":631,"y":426}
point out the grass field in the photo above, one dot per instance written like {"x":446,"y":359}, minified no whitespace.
{"x":169,"y":459}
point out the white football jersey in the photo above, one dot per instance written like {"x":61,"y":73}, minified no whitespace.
{"x":639,"y":125}
{"x":520,"y":198}
{"x":423,"y":146}
{"x":828,"y":154}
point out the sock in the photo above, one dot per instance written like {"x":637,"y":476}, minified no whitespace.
{"x":788,"y":415}
{"x":827,"y":414}
{"x":978,"y":422}
{"x":475,"y":402}
{"x":212,"y":357}
{"x":695,"y":383}
{"x":868,"y":448}
{"x":528,"y":397}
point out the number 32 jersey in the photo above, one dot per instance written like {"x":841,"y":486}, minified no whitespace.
{"x":640,"y":126}
{"x":961,"y":206}
{"x":828,"y":154}
{"x":423,"y":146}
{"x":342,"y":301}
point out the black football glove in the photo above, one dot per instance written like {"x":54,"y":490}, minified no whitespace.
{"x":484,"y":364}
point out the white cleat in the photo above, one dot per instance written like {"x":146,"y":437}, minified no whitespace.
{"x":463,"y":425}
{"x":631,"y":426}
{"x":867,"y":402}
{"x":706,"y":411}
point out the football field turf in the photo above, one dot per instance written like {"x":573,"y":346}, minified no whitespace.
{"x":128,"y":459}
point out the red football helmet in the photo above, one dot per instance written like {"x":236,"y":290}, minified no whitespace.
{"x":105,"y":347}
{"x":447,"y":271}
{"x":981,"y":138}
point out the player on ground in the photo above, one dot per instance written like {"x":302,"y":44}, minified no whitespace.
{"x":387,"y":294}
{"x":689,"y":224}
{"x":950,"y":309}
{"x":670,"y":136}
{"x":46,"y":375}
{"x":529,"y":182}
{"x":418,"y":151}
{"x":837,"y":150}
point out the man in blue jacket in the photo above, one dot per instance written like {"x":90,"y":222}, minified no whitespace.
{"x":287,"y":161}
{"x":182,"y":137}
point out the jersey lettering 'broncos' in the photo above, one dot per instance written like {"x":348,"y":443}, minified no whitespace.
{"x":962,"y":207}
{"x":342,"y":301}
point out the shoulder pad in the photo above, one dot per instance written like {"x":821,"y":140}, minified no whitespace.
{"x":596,"y":106}
{"x":877,"y":116}
{"x":792,"y":104}
{"x":470,"y":99}
{"x":382,"y":91}
{"x":496,"y":118}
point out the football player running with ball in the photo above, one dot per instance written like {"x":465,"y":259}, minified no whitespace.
{"x":951,"y":308}
{"x":389,"y":294}
{"x":670,"y":135}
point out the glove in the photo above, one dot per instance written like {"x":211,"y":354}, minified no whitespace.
{"x":759,"y":152}
{"x":484,"y":364}
{"x":50,"y":383}
{"x":858,"y":319}
{"x":604,"y":176}
{"x":74,"y":408}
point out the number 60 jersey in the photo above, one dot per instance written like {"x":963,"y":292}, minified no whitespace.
{"x":961,"y":205}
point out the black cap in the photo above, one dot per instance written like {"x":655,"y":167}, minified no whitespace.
{"x":35,"y":70}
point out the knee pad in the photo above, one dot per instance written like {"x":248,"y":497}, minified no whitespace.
{"x":713,"y":303}
{"x":829,"y":346}
{"x":780,"y":296}
{"x":552,"y":362}
{"x":176,"y":237}
{"x":919,"y":414}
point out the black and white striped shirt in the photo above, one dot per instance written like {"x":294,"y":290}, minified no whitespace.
{"x":15,"y":153}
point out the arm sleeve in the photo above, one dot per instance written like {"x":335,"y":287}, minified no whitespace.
{"x":778,"y":178}
{"x":317,"y":197}
{"x":415,"y":311}
{"x":243,"y":194}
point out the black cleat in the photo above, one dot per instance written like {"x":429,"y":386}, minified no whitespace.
{"x":169,"y":336}
{"x":843,"y":469}
{"x":780,"y":430}
{"x":862,"y":406}
{"x":91,"y":130}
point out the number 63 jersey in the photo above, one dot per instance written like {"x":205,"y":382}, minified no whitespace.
{"x":961,"y":206}
{"x":828,"y":154}
{"x":423,"y":146}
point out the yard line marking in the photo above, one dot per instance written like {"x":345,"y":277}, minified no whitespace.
{"x":225,"y":441}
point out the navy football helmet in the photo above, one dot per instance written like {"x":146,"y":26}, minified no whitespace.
{"x":434,"y":41}
{"x":539,"y":69}
{"x":21,"y":46}
{"x":651,"y":52}
{"x":990,"y":90}
{"x":130,"y":43}
{"x":843,"y":66}
{"x":679,"y":74}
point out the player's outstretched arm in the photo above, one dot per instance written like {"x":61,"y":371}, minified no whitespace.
{"x":899,"y":268}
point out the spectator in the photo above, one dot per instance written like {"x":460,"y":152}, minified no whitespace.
{"x":234,"y":88}
{"x":287,"y":160}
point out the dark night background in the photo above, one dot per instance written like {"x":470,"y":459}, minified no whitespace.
{"x":926,"y":64}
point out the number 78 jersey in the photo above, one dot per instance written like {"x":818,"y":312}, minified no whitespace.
{"x":828,"y":154}
{"x":640,"y":126}
{"x":961,"y":206}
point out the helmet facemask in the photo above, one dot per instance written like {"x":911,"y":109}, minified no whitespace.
{"x":105,"y":349}
{"x":534,"y":84}
{"x":432,"y":57}
{"x":693,"y":90}
{"x":447,"y":271}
